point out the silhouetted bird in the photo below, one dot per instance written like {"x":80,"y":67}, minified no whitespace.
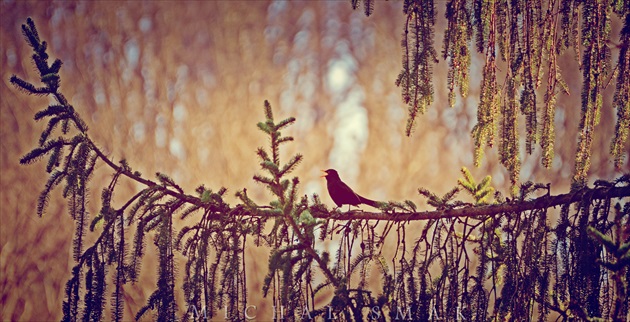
{"x":341,"y":194}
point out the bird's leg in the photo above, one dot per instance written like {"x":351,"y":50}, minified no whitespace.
{"x":358,"y":208}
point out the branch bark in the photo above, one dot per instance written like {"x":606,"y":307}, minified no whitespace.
{"x":487,"y":210}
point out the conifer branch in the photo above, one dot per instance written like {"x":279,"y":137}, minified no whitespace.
{"x":622,"y":96}
{"x":543,"y":202}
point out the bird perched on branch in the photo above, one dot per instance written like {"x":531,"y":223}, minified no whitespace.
{"x":341,"y":194}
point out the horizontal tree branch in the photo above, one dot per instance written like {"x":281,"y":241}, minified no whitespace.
{"x":488,"y":210}
{"x":475,"y":211}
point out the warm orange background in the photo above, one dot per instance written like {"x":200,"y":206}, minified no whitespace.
{"x":178,"y":87}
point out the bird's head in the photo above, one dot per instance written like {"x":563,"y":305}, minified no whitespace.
{"x":330,"y":174}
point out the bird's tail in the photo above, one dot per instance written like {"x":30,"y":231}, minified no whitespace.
{"x":368,"y":202}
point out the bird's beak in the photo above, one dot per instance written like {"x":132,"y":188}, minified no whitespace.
{"x":325,"y":174}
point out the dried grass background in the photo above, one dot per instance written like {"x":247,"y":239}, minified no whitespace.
{"x":189,"y":104}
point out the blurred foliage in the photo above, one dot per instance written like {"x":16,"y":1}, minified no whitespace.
{"x":114,"y":93}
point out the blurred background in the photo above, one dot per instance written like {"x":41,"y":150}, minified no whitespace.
{"x":178,"y":87}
